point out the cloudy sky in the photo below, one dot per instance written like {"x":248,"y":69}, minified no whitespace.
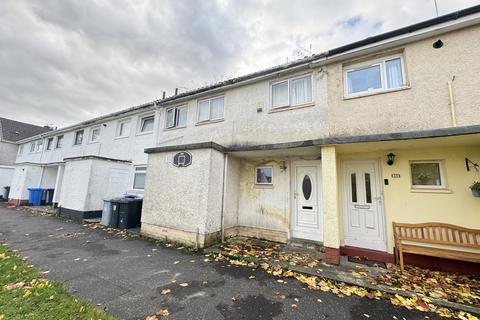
{"x":63,"y":61}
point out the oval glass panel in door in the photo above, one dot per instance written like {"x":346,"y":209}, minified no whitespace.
{"x":307,"y":187}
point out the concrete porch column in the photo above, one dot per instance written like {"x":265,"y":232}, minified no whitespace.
{"x":331,"y":231}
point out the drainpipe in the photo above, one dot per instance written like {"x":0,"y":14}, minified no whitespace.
{"x":224,"y":194}
{"x":452,"y":103}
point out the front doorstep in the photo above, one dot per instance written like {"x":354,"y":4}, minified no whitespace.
{"x":70,"y":213}
{"x":373,"y":255}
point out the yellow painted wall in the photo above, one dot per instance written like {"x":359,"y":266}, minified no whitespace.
{"x":331,"y":217}
{"x":455,"y":205}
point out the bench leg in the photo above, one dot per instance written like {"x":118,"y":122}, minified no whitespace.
{"x":400,"y":254}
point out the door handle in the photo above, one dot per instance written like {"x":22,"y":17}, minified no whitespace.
{"x":307,"y":207}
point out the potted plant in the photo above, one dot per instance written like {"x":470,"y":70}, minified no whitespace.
{"x":475,"y":187}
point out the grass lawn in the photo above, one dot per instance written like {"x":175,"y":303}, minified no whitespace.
{"x":25,"y":294}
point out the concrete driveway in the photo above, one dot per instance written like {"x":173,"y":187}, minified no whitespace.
{"x":126,"y":277}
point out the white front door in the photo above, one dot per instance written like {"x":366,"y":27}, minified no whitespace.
{"x":364,"y":220}
{"x":307,"y":217}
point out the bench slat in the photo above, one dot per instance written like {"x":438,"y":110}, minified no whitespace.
{"x":442,"y":253}
{"x":436,"y":233}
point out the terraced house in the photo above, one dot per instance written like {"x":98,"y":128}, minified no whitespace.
{"x":332,"y":148}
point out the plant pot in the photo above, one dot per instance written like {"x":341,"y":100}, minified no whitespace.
{"x":476,"y":193}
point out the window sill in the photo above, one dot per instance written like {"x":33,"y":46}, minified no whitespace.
{"x":442,"y":191}
{"x":287,"y":108}
{"x":93,"y":142}
{"x":209,"y":122}
{"x":374,"y":93}
{"x":174,"y":128}
{"x":121,"y":137}
{"x":263,"y":186}
{"x":144,"y":133}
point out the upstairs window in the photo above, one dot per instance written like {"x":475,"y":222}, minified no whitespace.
{"x":146,"y":124}
{"x":176,"y":117}
{"x":123,"y":128}
{"x":292,"y":92}
{"x":211,"y":109}
{"x":32,"y":147}
{"x":95,"y":134}
{"x":20,"y":149}
{"x":39,"y":145}
{"x":139,"y":177}
{"x":78,"y":138}
{"x":375,"y":76}
{"x":59,"y":142}
{"x":49,"y":143}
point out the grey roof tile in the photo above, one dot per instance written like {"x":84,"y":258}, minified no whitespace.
{"x":11,"y":130}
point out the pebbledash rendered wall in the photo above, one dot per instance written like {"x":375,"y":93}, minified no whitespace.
{"x":425,"y":103}
{"x":180,"y":200}
{"x":187,"y":204}
{"x":249,"y":118}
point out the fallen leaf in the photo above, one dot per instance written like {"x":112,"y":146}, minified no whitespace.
{"x":165,"y":291}
{"x":162,"y":313}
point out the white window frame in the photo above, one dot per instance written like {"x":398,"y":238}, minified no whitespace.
{"x":142,"y":120}
{"x":288,"y":80}
{"x":210,"y":119}
{"x":57,"y":140}
{"x":119,"y":124}
{"x":75,"y":137}
{"x":20,"y":149}
{"x":135,"y":172}
{"x":442,"y":175}
{"x":90,"y":138}
{"x":175,"y":116}
{"x":33,"y":146}
{"x":39,"y":146}
{"x":256,"y":175}
{"x":383,"y":75}
{"x":49,"y":146}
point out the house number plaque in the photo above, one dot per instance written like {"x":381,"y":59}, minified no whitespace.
{"x":182,"y":159}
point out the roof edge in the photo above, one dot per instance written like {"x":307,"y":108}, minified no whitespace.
{"x":394,"y":136}
{"x":189,"y":146}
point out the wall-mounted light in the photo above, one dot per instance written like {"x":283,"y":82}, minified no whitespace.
{"x":390,"y":158}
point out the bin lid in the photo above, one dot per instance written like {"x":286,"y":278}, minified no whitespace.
{"x":126,"y":200}
{"x":35,"y":189}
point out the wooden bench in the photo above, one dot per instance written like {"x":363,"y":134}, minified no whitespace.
{"x":410,"y":237}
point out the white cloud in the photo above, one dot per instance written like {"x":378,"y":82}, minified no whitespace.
{"x":62,"y":62}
